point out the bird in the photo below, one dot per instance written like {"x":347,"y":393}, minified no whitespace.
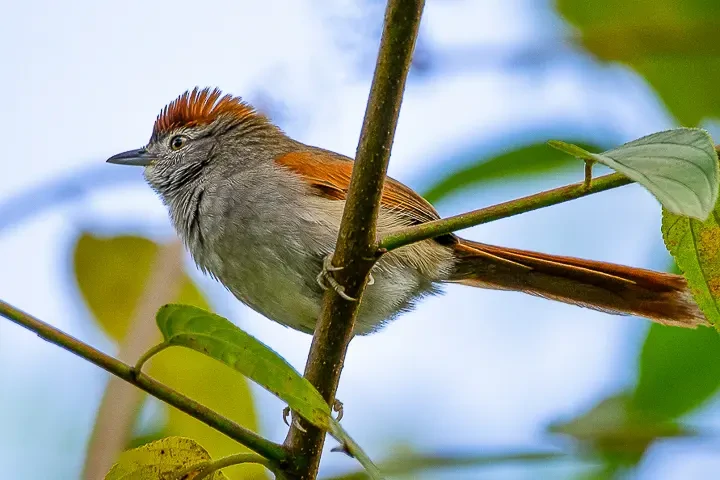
{"x":260,"y":212}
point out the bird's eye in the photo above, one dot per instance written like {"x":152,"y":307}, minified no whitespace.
{"x":178,"y":141}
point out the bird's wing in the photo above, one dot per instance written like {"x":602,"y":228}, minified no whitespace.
{"x":329,"y":176}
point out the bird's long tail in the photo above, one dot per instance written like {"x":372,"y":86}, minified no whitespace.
{"x":661,"y":297}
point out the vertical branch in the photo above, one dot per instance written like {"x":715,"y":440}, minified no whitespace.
{"x":121,"y":401}
{"x":355,"y":250}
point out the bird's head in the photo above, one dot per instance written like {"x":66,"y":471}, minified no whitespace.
{"x":194,"y":131}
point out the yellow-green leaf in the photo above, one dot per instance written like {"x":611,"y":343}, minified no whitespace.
{"x":112,"y":273}
{"x":695,"y":245}
{"x":162,"y":457}
{"x":220,"y":339}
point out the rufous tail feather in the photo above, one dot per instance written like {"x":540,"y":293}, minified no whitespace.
{"x":660,"y":297}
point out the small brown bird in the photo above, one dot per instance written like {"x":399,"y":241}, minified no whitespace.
{"x":260,"y":212}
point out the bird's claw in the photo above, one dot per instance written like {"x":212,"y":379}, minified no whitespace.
{"x":286,"y":414}
{"x":325,"y":275}
{"x":295,"y":423}
{"x":338,"y":408}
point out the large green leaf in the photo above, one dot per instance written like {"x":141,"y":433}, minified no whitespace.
{"x":524,"y":162}
{"x":161,"y":459}
{"x":672,"y":43}
{"x":111,"y":273}
{"x":679,"y":370}
{"x":218,"y":338}
{"x":679,"y":167}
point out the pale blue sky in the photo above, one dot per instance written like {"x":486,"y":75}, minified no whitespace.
{"x":83,"y":80}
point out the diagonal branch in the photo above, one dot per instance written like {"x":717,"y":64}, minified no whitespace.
{"x":424,"y":231}
{"x":272,"y":451}
{"x":356,"y":248}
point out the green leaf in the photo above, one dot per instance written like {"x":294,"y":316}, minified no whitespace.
{"x":157,"y":459}
{"x":679,"y":370}
{"x":695,"y":246}
{"x":524,"y":162}
{"x":617,"y":431}
{"x":673,"y":44}
{"x":220,"y":339}
{"x":679,"y":167}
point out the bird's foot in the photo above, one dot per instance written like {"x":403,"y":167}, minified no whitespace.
{"x":326,"y":278}
{"x":296,"y":424}
{"x":337,"y":407}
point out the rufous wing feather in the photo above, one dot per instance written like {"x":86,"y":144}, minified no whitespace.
{"x":329,"y":175}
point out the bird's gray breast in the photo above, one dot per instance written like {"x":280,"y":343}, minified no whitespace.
{"x":264,"y":237}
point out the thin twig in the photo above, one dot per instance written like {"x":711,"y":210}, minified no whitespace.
{"x":272,"y":451}
{"x":121,"y":401}
{"x":151,"y":352}
{"x":207,"y":468}
{"x":355,"y":250}
{"x":236,"y":459}
{"x":406,"y":236}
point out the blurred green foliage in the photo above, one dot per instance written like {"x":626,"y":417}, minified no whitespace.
{"x":679,"y":370}
{"x":672,"y":44}
{"x":513,"y":164}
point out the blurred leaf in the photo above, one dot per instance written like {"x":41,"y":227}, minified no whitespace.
{"x":220,"y":339}
{"x":525,"y":162}
{"x":673,"y":44}
{"x":678,"y":166}
{"x":111,"y":274}
{"x":618,"y":431}
{"x":679,"y":370}
{"x":414,"y":463}
{"x":163,"y":457}
{"x":695,"y":245}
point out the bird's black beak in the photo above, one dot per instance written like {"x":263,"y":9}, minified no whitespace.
{"x":132,"y":157}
